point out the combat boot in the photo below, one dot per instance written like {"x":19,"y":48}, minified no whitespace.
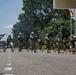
{"x":4,"y":51}
{"x":48,"y":51}
{"x":35,"y":51}
{"x":27,"y":50}
{"x":58,"y":51}
{"x":12,"y":49}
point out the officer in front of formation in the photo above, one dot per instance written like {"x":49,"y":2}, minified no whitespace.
{"x":9,"y":40}
{"x":33,"y":42}
{"x":20,"y":38}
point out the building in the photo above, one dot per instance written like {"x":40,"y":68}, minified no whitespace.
{"x":64,"y":4}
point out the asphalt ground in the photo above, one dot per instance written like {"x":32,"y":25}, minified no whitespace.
{"x":41,"y":63}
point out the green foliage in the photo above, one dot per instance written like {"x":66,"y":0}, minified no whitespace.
{"x":3,"y":42}
{"x":44,"y":47}
{"x":40,"y":17}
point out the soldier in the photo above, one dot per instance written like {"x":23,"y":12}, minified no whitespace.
{"x":71,"y":42}
{"x":53,"y":45}
{"x":47,"y":42}
{"x":58,"y":44}
{"x":33,"y":42}
{"x":20,"y":41}
{"x":64,"y":44}
{"x":9,"y":40}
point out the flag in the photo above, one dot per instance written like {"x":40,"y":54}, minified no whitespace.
{"x":71,"y":13}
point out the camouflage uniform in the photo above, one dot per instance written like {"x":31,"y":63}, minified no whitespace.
{"x":20,"y":41}
{"x":58,"y":44}
{"x":47,"y":42}
{"x":71,"y":42}
{"x":33,"y":42}
{"x":9,"y":40}
{"x":64,"y":44}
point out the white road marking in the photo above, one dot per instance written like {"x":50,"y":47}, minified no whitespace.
{"x":7,"y":74}
{"x":8,"y":64}
{"x":8,"y":68}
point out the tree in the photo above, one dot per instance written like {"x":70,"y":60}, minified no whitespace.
{"x":40,"y":17}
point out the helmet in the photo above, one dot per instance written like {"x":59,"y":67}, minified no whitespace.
{"x":46,"y":34}
{"x":20,"y":33}
{"x":32,"y":32}
{"x":71,"y":35}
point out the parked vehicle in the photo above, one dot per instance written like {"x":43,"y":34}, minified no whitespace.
{"x":1,"y":46}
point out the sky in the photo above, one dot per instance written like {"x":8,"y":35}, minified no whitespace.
{"x":9,"y":11}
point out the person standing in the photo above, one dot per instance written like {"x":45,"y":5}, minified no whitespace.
{"x":20,"y":41}
{"x":71,"y":43}
{"x":9,"y":40}
{"x":64,"y":44}
{"x":33,"y":42}
{"x":47,"y":42}
{"x":58,"y":41}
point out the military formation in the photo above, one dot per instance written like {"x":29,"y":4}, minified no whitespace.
{"x":56,"y":45}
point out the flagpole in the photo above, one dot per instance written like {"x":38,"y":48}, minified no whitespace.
{"x":70,"y":25}
{"x":71,"y":15}
{"x":75,"y":27}
{"x":75,"y":22}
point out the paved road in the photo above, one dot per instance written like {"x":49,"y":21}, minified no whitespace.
{"x":29,"y":63}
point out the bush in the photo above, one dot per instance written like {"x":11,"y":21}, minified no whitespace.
{"x":43,"y":46}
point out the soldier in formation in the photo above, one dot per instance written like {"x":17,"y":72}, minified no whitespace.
{"x":64,"y":44}
{"x":33,"y":42}
{"x":58,"y":44}
{"x":71,"y":43}
{"x":20,"y":41}
{"x":47,"y":42}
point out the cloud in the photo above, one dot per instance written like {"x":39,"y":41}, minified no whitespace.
{"x":8,"y":26}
